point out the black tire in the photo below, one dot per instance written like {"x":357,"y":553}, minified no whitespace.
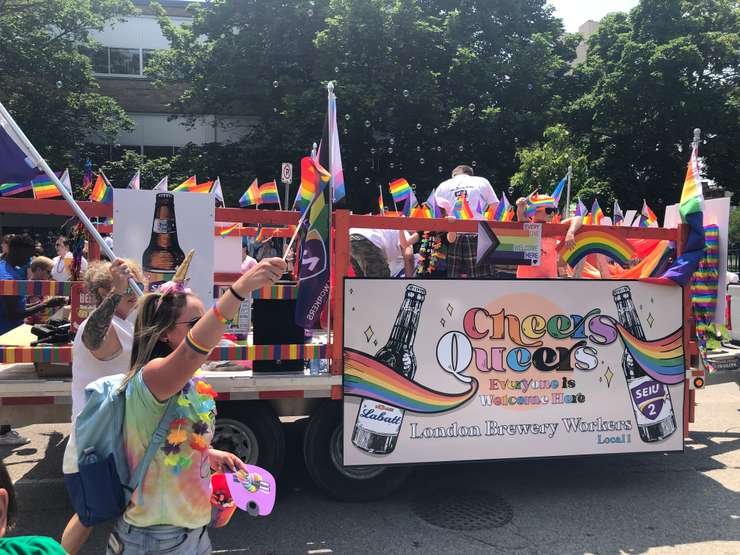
{"x":346,"y":484}
{"x":253,"y":432}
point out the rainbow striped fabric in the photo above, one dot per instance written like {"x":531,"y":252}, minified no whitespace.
{"x":308,"y":351}
{"x":309,"y":185}
{"x":11,"y":189}
{"x":276,"y":292}
{"x":596,"y":241}
{"x":35,"y":288}
{"x":187,"y":185}
{"x":366,"y":377}
{"x":41,"y":353}
{"x":43,"y":187}
{"x":269,"y":193}
{"x":400,"y":189}
{"x":421,"y":211}
{"x":251,"y":195}
{"x":537,"y":202}
{"x":596,"y":216}
{"x":502,"y":209}
{"x":101,"y":191}
{"x":227,"y":230}
{"x":647,"y":216}
{"x":462,"y":210}
{"x":662,"y":359}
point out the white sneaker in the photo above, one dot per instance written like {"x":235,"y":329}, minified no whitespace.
{"x":13,"y":439}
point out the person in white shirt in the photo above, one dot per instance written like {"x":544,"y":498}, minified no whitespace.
{"x":102,"y":347}
{"x":62,"y":268}
{"x":461,"y":255}
{"x":378,"y":252}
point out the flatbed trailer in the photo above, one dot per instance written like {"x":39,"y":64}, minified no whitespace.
{"x":250,"y":404}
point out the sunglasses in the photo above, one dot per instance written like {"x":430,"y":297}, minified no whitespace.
{"x":549,"y":211}
{"x":190,"y":323}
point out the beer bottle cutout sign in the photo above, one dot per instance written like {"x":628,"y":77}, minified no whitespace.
{"x":651,"y":400}
{"x":163,"y":255}
{"x":377,"y":425}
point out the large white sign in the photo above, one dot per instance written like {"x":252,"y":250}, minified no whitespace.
{"x":158,"y":229}
{"x":444,"y":370}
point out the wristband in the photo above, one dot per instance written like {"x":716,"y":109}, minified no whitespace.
{"x":237,"y":295}
{"x":194,"y":345}
{"x":221,"y":318}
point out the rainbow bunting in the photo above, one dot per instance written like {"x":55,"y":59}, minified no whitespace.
{"x":269,"y":193}
{"x":11,"y":189}
{"x":251,"y":195}
{"x":187,"y":185}
{"x":400,"y":189}
{"x":366,"y":377}
{"x":43,"y":187}
{"x":462,"y":210}
{"x":662,"y":359}
{"x":598,"y":242}
{"x":101,"y":191}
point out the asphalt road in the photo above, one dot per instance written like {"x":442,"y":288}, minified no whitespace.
{"x":657,"y":503}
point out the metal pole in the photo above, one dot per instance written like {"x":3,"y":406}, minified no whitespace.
{"x":567,"y":194}
{"x":330,"y":96}
{"x":42,"y":165}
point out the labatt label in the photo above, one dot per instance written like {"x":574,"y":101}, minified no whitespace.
{"x":379,"y":418}
{"x":651,"y":399}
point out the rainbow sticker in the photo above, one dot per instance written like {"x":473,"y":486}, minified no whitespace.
{"x":662,"y":359}
{"x":598,"y":242}
{"x":366,"y":377}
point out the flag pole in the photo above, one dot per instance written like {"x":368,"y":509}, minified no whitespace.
{"x":42,"y":165}
{"x":382,"y":204}
{"x":567,"y":194}
{"x":330,"y":96}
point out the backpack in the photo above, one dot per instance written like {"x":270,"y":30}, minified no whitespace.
{"x":102,"y":487}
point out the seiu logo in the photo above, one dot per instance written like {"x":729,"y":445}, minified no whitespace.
{"x":647,"y":391}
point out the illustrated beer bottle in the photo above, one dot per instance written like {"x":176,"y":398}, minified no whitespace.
{"x":163,"y":255}
{"x":651,"y":400}
{"x":377,"y":425}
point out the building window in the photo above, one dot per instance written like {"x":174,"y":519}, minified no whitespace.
{"x":120,"y":61}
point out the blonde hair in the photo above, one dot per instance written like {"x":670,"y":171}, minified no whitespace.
{"x":98,"y":276}
{"x":156,"y":314}
{"x":41,"y":263}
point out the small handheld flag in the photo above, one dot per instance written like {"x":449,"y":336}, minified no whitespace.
{"x":309,"y":185}
{"x":12,"y":189}
{"x":462,"y":210}
{"x":269,"y":193}
{"x":400,"y":189}
{"x":580,"y":208}
{"x":647,"y":216}
{"x":43,"y":187}
{"x":135,"y":181}
{"x":558,"y":192}
{"x":251,"y":195}
{"x":101,"y":191}
{"x":216,"y":190}
{"x":162,"y":185}
{"x":186,"y":185}
{"x":617,"y":215}
{"x":596,"y":215}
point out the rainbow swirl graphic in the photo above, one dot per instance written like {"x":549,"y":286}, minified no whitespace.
{"x":662,"y":359}
{"x":366,"y":377}
{"x":598,"y":242}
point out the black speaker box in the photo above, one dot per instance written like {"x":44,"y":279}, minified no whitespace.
{"x":273,"y":323}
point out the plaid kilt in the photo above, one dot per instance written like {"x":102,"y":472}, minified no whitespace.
{"x":461,"y":257}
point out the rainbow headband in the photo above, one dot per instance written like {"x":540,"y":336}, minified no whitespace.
{"x":535,"y":202}
{"x":366,"y":377}
{"x":598,"y":242}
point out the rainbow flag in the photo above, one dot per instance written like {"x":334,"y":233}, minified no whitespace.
{"x":251,"y":195}
{"x":380,"y":203}
{"x":647,"y":216}
{"x":269,"y":193}
{"x":558,"y":192}
{"x":580,"y":209}
{"x":219,"y":194}
{"x":503,"y":206}
{"x":596,"y":215}
{"x":462,"y":210}
{"x":400,"y":190}
{"x":43,"y":187}
{"x":309,"y":185}
{"x":101,"y":191}
{"x":227,"y":230}
{"x":11,"y":189}
{"x":188,"y":185}
{"x":369,"y":378}
{"x":490,"y":212}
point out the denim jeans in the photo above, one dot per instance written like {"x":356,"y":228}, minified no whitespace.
{"x":155,"y":540}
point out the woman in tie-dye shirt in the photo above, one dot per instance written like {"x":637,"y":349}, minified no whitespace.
{"x":173,"y":336}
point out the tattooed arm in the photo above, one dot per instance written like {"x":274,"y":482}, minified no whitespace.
{"x":99,"y":336}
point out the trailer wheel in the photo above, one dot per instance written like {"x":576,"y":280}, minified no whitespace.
{"x":253,"y":433}
{"x":322,"y":450}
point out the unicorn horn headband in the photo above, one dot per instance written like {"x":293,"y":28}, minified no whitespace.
{"x":177,"y":284}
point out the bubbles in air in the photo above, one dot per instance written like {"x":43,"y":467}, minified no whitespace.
{"x":392,"y":165}
{"x":421,"y":161}
{"x":390,"y":150}
{"x":511,"y":190}
{"x":59,"y":84}
{"x":471,"y":107}
{"x":474,"y":163}
{"x":405,"y":93}
{"x":439,"y":148}
{"x":367,"y":181}
{"x":309,"y":12}
{"x":336,"y":69}
{"x":275,"y":84}
{"x":439,"y":169}
{"x":372,"y":150}
{"x":392,"y":141}
{"x":435,"y":130}
{"x":367,"y":123}
{"x":530,"y":86}
{"x":460,"y":148}
{"x":346,"y":117}
{"x":418,"y":149}
{"x":418,"y":127}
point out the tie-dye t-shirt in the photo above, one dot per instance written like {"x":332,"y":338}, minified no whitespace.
{"x":177,"y":486}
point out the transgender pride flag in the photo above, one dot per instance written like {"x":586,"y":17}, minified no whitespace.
{"x":330,"y":142}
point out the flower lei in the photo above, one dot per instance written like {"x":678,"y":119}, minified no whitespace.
{"x":195,"y":416}
{"x":430,"y":250}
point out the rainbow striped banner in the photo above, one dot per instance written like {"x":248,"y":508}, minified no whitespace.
{"x":308,"y":351}
{"x":43,"y":187}
{"x":598,"y":242}
{"x":662,"y":359}
{"x":223,"y":232}
{"x":276,"y":292}
{"x":10,"y":189}
{"x":366,"y":377}
{"x":35,"y":288}
{"x":400,"y":189}
{"x":61,"y":354}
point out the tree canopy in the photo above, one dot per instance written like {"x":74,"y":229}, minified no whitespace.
{"x":46,"y":78}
